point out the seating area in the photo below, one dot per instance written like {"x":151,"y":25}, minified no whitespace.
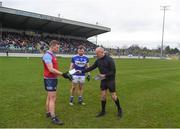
{"x":22,"y":42}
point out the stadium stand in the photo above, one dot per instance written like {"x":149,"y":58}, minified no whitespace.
{"x":27,"y":32}
{"x":24,"y":43}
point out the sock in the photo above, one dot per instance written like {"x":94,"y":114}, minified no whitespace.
{"x":71,"y":98}
{"x":53,"y":115}
{"x":118,"y":104}
{"x":103,"y":105}
{"x":80,"y":98}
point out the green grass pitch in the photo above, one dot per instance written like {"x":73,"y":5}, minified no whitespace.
{"x":149,"y":92}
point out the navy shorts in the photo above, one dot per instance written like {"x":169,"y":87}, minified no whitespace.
{"x":50,"y":84}
{"x":108,"y":84}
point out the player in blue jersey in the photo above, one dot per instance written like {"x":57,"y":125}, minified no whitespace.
{"x":78,"y":62}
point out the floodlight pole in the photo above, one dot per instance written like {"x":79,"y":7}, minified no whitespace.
{"x":164,"y":8}
{"x":96,"y":35}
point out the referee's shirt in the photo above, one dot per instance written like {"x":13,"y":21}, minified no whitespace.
{"x":105,"y":65}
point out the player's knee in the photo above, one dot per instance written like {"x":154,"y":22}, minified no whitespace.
{"x":103,"y":97}
{"x":52,"y":97}
{"x":73,"y":88}
{"x":80,"y":88}
{"x":114,"y":96}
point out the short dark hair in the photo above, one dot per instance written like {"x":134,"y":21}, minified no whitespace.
{"x":54,"y":42}
{"x":81,"y":47}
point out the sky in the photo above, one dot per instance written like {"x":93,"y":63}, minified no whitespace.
{"x":131,"y":21}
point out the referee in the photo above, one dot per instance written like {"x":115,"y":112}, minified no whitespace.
{"x":107,"y":71}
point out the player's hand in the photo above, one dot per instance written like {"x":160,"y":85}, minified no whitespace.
{"x":67,"y":76}
{"x":88,"y":78}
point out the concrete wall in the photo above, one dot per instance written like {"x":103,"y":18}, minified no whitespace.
{"x":36,"y":55}
{"x":69,"y":56}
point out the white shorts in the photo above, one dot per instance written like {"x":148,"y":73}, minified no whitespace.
{"x":78,"y":79}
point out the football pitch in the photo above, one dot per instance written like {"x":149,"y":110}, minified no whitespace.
{"x":149,"y":92}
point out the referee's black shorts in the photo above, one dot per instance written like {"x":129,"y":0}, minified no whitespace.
{"x":108,"y":84}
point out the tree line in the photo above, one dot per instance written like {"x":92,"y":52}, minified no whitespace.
{"x":136,"y":50}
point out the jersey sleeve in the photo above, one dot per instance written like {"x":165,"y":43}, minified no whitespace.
{"x":90,"y":68}
{"x":47,"y":59}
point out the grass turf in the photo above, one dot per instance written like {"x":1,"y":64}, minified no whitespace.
{"x":149,"y":92}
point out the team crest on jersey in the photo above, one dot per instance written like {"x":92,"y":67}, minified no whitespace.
{"x":80,"y":63}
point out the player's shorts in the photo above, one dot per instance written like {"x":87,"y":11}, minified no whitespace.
{"x":108,"y":84}
{"x":50,"y":84}
{"x":78,"y":79}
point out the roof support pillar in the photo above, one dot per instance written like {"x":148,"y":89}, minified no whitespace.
{"x":0,"y":30}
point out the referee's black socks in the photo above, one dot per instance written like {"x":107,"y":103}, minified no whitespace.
{"x":118,"y":104}
{"x":103,"y":105}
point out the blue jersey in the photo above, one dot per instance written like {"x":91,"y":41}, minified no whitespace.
{"x":80,"y":63}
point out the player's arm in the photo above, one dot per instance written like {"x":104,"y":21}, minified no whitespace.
{"x":52,"y":70}
{"x":88,"y":76}
{"x":87,"y":66}
{"x":71,"y":66}
{"x":55,"y":71}
{"x":90,"y":68}
{"x":48,"y":61}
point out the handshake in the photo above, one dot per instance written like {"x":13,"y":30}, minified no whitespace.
{"x":67,"y":75}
